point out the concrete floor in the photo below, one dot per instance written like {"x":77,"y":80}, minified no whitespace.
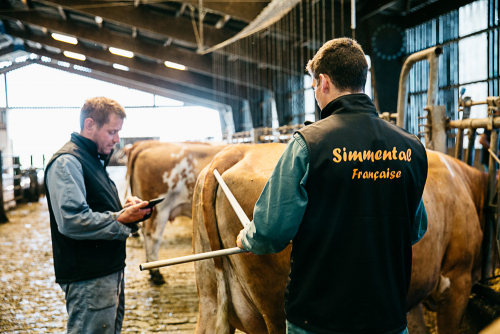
{"x":31,"y":302}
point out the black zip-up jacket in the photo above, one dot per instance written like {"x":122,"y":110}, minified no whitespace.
{"x":351,"y":257}
{"x":78,"y":260}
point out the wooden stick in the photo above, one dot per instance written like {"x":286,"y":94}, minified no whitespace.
{"x":191,"y":258}
{"x":234,"y":203}
{"x":208,"y":255}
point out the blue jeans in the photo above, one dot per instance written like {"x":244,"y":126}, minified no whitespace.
{"x":292,"y":329}
{"x":96,"y":305}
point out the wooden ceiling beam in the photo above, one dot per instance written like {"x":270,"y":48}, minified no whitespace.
{"x":133,"y":80}
{"x":433,"y":10}
{"x":246,"y":11}
{"x":201,"y":64}
{"x":184,"y":78}
{"x":374,"y":7}
{"x":194,"y":62}
{"x":180,"y":28}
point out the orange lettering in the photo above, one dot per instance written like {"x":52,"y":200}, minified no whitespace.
{"x":368,"y":155}
{"x":387,"y":155}
{"x":336,"y":153}
{"x":402,"y":156}
{"x":354,"y":171}
{"x":408,"y":155}
{"x":378,"y":155}
{"x":398,"y":174}
{"x":355,"y":156}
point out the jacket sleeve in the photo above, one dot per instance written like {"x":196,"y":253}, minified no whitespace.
{"x":74,"y":217}
{"x":281,"y":205}
{"x":420,"y":224}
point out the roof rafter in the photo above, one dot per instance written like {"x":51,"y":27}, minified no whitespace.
{"x":134,"y":80}
{"x":180,"y":28}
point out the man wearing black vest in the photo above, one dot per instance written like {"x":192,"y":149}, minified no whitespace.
{"x":347,"y":192}
{"x":87,"y":223}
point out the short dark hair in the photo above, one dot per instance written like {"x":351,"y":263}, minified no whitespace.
{"x":343,"y":60}
{"x":99,"y":109}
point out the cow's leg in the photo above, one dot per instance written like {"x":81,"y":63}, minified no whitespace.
{"x":153,"y":231}
{"x":416,"y":321}
{"x":452,"y":302}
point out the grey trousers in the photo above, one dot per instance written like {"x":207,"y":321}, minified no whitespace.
{"x":292,"y":329}
{"x":96,"y":305}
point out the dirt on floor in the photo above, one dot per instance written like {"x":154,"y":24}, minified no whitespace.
{"x":31,"y":302}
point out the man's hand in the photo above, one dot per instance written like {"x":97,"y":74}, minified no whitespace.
{"x":132,"y":200}
{"x":238,"y":242}
{"x":133,"y":212}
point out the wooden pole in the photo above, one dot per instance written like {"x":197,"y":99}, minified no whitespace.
{"x":191,"y":258}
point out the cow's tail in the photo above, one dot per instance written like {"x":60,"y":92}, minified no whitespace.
{"x":223,"y":161}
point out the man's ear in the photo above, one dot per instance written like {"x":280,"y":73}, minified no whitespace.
{"x":88,"y":125}
{"x":325,"y":83}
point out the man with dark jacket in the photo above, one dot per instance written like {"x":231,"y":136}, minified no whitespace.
{"x":348,"y":192}
{"x":88,"y":226}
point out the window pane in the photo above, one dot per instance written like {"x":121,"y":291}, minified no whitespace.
{"x":473,"y":58}
{"x":473,"y":17}
{"x":3,"y":101}
{"x":48,"y":87}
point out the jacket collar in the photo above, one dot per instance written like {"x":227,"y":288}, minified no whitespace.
{"x":358,"y":102}
{"x":90,"y":146}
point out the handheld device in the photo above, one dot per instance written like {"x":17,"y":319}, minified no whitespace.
{"x":153,"y":202}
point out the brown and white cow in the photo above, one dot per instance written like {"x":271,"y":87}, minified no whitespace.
{"x":167,"y":170}
{"x":247,"y":291}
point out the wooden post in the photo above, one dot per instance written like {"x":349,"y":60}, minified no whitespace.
{"x":16,"y":167}
{"x":469,"y":154}
{"x":3,"y":216}
{"x":490,"y":214}
{"x":459,"y":146}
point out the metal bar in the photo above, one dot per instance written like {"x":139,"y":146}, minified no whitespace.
{"x":469,"y":153}
{"x":431,"y":55}
{"x":234,"y":203}
{"x":488,"y":226}
{"x":3,"y":216}
{"x":475,"y":123}
{"x":10,"y":166}
{"x":191,"y":258}
{"x":459,"y":147}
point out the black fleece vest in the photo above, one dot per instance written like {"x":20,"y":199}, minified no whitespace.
{"x":351,"y":258}
{"x":78,"y":260}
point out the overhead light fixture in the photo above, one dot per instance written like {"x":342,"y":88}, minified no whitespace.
{"x":21,"y":59}
{"x":64,"y":38}
{"x":120,"y":67}
{"x":175,"y":65}
{"x":120,"y":52}
{"x":74,"y":55}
